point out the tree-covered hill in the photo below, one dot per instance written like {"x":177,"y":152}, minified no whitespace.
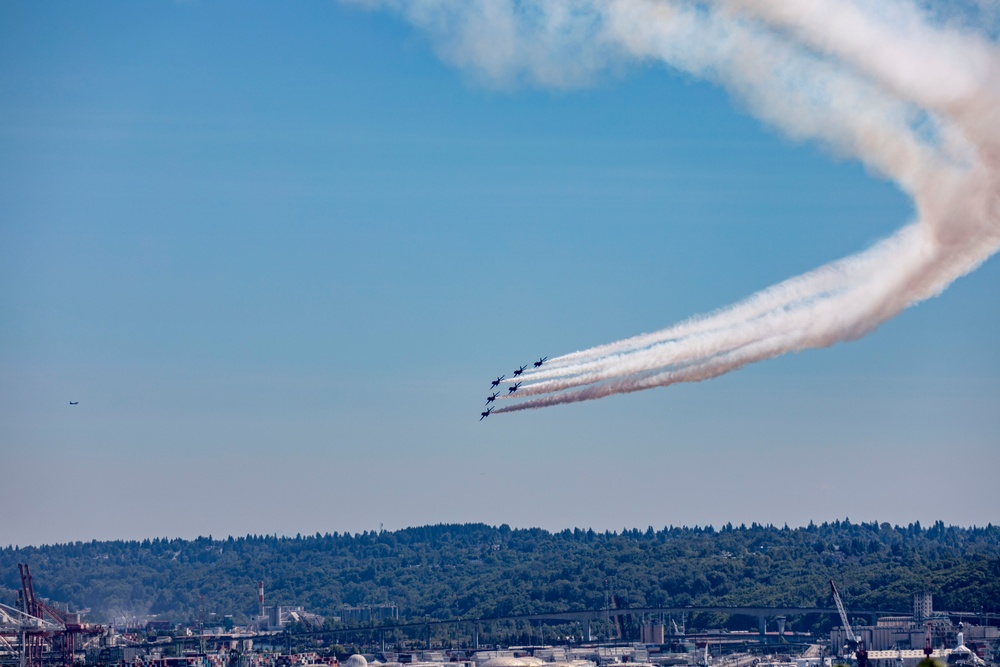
{"x":475,"y":570}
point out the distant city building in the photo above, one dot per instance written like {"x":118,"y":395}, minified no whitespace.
{"x":909,"y":633}
{"x":923,"y":607}
{"x":277,"y":616}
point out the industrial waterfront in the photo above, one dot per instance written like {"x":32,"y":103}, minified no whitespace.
{"x":38,"y":633}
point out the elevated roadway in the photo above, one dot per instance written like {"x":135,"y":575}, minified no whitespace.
{"x":585,"y":617}
{"x":597,"y":614}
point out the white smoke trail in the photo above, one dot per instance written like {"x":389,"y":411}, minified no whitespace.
{"x":912,"y":91}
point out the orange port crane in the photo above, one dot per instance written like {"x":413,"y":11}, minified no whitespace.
{"x":63,"y":627}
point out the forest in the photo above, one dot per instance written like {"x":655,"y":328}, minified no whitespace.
{"x":480,"y":571}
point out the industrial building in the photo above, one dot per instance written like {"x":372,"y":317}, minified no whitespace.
{"x":41,"y":635}
{"x":901,"y":640}
{"x":275,"y":617}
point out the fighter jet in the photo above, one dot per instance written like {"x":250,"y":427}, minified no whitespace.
{"x":490,"y":399}
{"x":484,"y":415}
{"x":74,"y":402}
{"x":520,"y":370}
{"x":513,"y":388}
{"x":497,"y":381}
{"x":541,"y":361}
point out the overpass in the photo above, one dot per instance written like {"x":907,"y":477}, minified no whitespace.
{"x":585,"y":617}
{"x":595,"y":614}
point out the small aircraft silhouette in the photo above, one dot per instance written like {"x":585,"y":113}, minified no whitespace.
{"x":541,"y":361}
{"x":490,"y":399}
{"x":520,"y":370}
{"x":497,"y":381}
{"x":513,"y":388}
{"x":74,"y":402}
{"x":484,"y":415}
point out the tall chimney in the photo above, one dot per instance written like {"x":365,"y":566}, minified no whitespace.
{"x":260,"y":597}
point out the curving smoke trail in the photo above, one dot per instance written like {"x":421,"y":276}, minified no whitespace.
{"x":912,"y":91}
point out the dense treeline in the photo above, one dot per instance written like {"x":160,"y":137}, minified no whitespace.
{"x":475,"y":570}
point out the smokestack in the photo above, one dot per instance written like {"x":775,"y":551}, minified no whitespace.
{"x":260,"y":597}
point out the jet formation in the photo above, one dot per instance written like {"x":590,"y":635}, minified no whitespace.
{"x":510,"y":390}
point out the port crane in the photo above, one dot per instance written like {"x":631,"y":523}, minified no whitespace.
{"x":855,"y":640}
{"x":37,"y":627}
{"x":24,"y":635}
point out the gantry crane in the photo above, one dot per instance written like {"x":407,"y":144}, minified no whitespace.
{"x":31,"y":642}
{"x":24,"y":633}
{"x":41,"y":621}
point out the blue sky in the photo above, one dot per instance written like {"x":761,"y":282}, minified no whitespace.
{"x":278,"y":251}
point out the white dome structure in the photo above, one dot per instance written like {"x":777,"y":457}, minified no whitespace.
{"x":504,"y":661}
{"x":356,"y":660}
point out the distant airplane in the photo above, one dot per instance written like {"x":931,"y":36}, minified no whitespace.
{"x":484,"y":415}
{"x":497,"y":381}
{"x":541,"y":361}
{"x":520,"y":370}
{"x":74,"y":402}
{"x":490,"y":399}
{"x":512,"y":389}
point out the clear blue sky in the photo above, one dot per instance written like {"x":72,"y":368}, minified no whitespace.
{"x":277,"y":251}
